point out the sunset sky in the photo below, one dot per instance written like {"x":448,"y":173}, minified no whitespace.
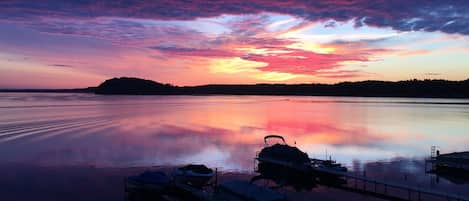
{"x":65,"y":44}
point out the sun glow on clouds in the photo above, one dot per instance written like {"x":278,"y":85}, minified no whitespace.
{"x":238,"y":65}
{"x":275,"y":76}
{"x":275,"y":57}
{"x":235,"y":65}
{"x":313,"y":47}
{"x":255,"y":44}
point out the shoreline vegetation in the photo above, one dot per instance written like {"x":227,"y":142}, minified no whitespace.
{"x":409,"y":88}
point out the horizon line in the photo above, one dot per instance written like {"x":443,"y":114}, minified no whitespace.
{"x":312,"y":83}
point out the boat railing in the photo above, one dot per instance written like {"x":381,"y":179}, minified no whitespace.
{"x":273,"y":136}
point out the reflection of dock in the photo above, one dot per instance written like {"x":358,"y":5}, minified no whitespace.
{"x":229,"y":191}
{"x":374,"y":187}
{"x":248,"y":191}
{"x":391,"y":190}
{"x":192,"y":192}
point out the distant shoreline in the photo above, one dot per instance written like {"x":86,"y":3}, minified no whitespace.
{"x":398,"y":89}
{"x":83,"y":90}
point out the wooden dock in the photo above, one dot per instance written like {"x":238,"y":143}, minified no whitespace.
{"x":378,"y":188}
{"x":456,"y":160}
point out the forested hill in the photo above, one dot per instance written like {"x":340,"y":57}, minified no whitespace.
{"x":409,"y":88}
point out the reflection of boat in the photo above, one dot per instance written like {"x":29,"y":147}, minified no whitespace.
{"x":146,"y":186}
{"x":195,"y":175}
{"x":154,"y":181}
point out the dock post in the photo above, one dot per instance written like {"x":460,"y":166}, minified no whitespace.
{"x":425,"y":166}
{"x":376,"y":189}
{"x":364,"y":181}
{"x":419,"y":196}
{"x":216,"y":176}
{"x":408,"y":193}
{"x":385,"y":189}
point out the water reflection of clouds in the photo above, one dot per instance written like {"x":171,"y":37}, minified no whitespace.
{"x":228,"y":130}
{"x":310,"y":132}
{"x":160,"y":144}
{"x":412,"y":172}
{"x":238,"y":146}
{"x":224,"y":132}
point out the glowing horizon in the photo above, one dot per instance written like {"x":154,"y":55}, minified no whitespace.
{"x":52,"y":44}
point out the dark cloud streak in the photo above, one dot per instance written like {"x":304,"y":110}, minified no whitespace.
{"x":61,"y":65}
{"x":182,"y":51}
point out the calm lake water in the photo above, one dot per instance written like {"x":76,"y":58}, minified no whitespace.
{"x":222,"y":131}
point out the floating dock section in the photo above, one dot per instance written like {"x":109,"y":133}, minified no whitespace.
{"x":456,"y":160}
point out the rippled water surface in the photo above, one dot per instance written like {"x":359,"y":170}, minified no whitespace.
{"x":222,"y":131}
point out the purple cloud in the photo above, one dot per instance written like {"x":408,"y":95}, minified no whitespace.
{"x":117,"y":31}
{"x":402,"y":15}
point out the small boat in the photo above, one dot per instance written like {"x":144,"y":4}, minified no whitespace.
{"x":328,"y":165}
{"x":285,"y":165}
{"x":326,"y":172}
{"x":194,"y":175}
{"x":283,"y":154}
{"x":148,"y":185}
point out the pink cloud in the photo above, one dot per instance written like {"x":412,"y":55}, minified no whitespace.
{"x":302,"y":62}
{"x":118,"y":31}
{"x":319,"y":132}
